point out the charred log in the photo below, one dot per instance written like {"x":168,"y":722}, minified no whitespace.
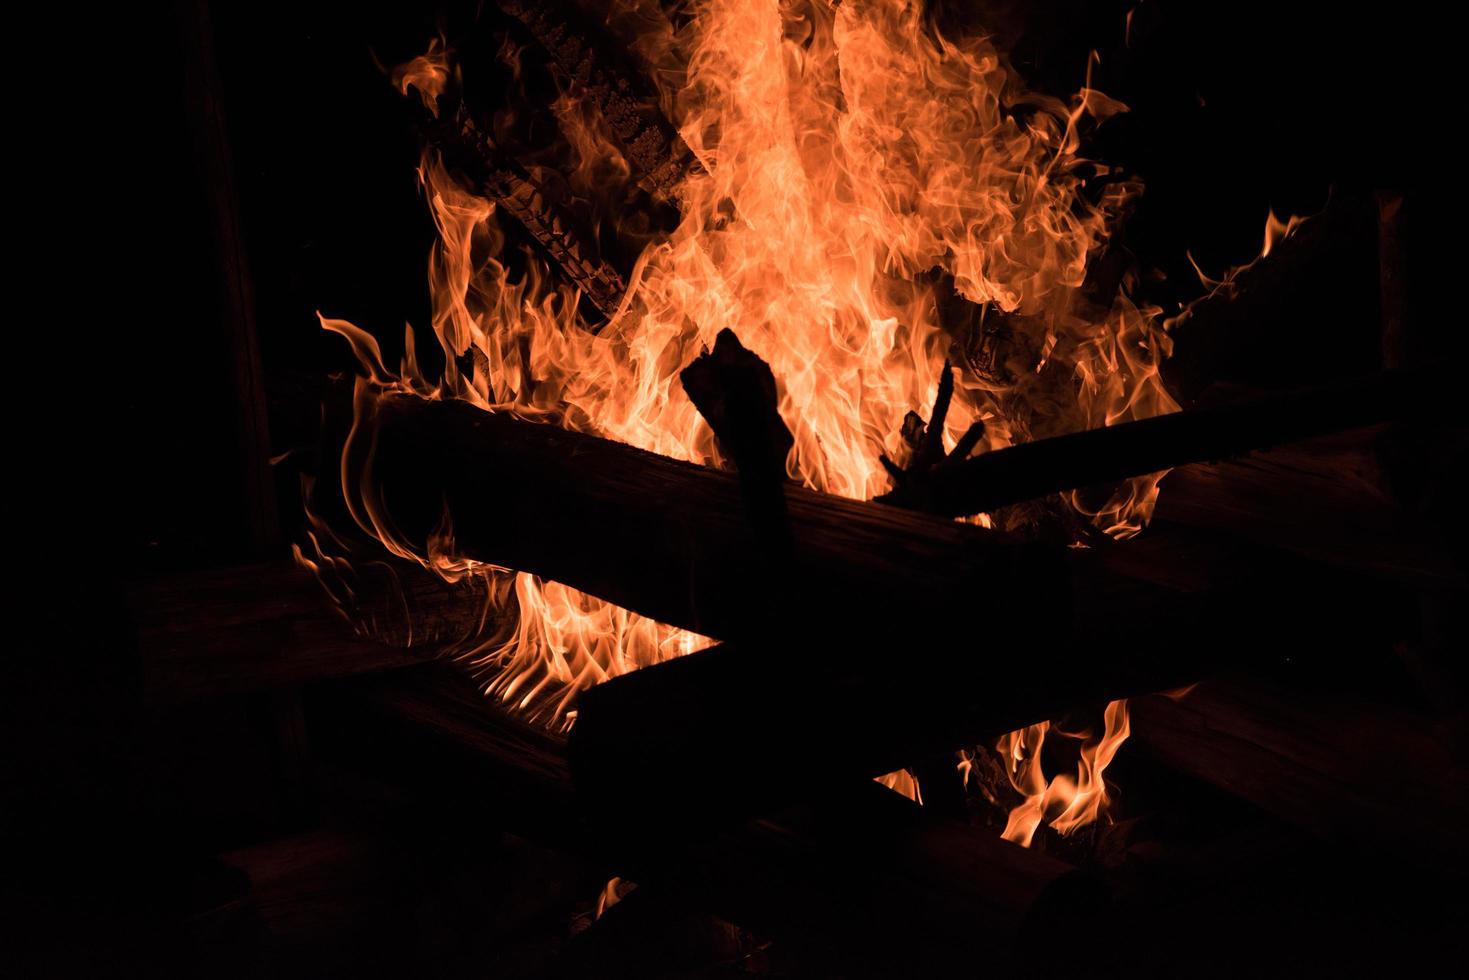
{"x":1331,"y":500}
{"x":778,"y":719}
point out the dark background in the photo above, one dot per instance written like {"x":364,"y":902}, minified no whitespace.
{"x":127,"y":460}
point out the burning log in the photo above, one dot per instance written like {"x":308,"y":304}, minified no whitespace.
{"x":781,"y":722}
{"x":1031,"y":470}
{"x":1327,"y":499}
{"x":672,"y":540}
{"x":1341,"y":768}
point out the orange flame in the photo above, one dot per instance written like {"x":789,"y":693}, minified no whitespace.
{"x":428,"y":73}
{"x":847,"y":152}
{"x":1066,"y":804}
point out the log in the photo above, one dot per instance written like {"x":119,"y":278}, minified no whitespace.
{"x":783,"y":719}
{"x":672,"y":540}
{"x":1339,"y":766}
{"x":1035,"y":469}
{"x":933,"y":892}
{"x":430,"y":731}
{"x":1328,"y":500}
{"x":252,"y":628}
{"x":205,"y":102}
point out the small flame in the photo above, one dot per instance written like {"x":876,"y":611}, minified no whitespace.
{"x":1066,"y":804}
{"x":428,"y":74}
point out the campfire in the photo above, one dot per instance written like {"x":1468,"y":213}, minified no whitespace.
{"x":822,"y":522}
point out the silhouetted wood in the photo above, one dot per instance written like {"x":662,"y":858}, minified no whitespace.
{"x":1336,"y":765}
{"x":430,"y":730}
{"x":1327,"y":499}
{"x":782,"y":719}
{"x":734,"y":390}
{"x":251,"y":628}
{"x":1035,"y":469}
{"x":674,"y":540}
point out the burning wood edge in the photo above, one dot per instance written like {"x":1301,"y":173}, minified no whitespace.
{"x":932,"y":888}
{"x":1344,"y":770}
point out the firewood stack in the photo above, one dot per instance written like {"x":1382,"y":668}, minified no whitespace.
{"x":1289,"y":632}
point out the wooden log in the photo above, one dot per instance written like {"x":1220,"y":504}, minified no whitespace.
{"x":780,"y":719}
{"x":1035,"y":469}
{"x":245,"y":629}
{"x":1329,"y":500}
{"x":672,"y":540}
{"x":1339,"y":766}
{"x":859,"y":868}
{"x":430,"y":730}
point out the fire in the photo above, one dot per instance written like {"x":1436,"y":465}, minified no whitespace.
{"x":1065,"y":804}
{"x":845,"y":159}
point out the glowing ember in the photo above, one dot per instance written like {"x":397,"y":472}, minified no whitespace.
{"x":849,"y":158}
